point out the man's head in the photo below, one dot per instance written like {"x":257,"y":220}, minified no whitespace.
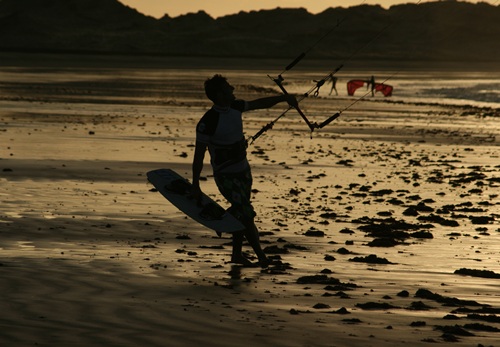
{"x":219,"y":90}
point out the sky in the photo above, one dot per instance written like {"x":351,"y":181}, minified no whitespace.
{"x":218,"y":8}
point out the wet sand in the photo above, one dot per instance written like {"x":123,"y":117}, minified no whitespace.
{"x":383,"y":226}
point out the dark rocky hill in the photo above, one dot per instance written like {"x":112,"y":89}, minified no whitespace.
{"x":443,"y":30}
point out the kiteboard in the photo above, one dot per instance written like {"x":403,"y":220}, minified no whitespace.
{"x":177,"y":190}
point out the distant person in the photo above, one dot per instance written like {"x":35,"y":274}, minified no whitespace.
{"x":371,"y":83}
{"x":220,"y":131}
{"x":333,"y":79}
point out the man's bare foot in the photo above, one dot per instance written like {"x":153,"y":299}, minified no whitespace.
{"x":241,"y":260}
{"x":264,"y":262}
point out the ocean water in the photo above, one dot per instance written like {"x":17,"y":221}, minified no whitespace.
{"x":478,"y":89}
{"x":474,"y":92}
{"x":444,"y":86}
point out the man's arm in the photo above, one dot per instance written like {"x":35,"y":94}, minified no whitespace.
{"x":199,"y":155}
{"x":271,"y":101}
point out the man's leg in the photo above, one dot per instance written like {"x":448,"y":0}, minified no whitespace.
{"x":237,"y":253}
{"x":252,"y":236}
{"x":236,"y":188}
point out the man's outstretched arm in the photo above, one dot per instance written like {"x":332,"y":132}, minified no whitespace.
{"x":270,"y":101}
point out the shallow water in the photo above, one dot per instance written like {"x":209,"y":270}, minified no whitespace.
{"x":478,"y":89}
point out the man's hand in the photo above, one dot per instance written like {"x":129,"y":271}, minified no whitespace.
{"x":196,"y":194}
{"x":291,"y":100}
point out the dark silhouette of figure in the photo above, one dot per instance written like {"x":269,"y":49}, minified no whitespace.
{"x":371,"y":84}
{"x":333,"y":79}
{"x":220,"y":130}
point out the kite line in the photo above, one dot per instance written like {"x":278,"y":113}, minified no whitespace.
{"x":279,"y":82}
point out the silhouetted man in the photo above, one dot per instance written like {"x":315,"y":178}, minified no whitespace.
{"x":220,"y":131}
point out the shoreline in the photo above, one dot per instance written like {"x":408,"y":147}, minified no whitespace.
{"x":67,"y":60}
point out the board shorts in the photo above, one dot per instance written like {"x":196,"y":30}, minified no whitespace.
{"x":237,"y":189}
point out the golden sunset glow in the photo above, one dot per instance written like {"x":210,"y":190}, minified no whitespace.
{"x":218,"y":8}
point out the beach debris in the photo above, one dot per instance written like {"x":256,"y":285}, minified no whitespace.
{"x":453,"y":330}
{"x":418,"y":323}
{"x":487,"y":318}
{"x":313,"y":232}
{"x":333,"y":284}
{"x":376,"y":306}
{"x":317,"y":279}
{"x":381,"y":192}
{"x":477,"y":273}
{"x":481,"y":327}
{"x":320,"y":306}
{"x":183,"y":237}
{"x":448,"y":301}
{"x":346,"y":231}
{"x":422,"y":235}
{"x":419,"y":306}
{"x":439,"y":220}
{"x":343,"y":250}
{"x":389,"y":227}
{"x":341,"y":310}
{"x":370,"y":259}
{"x":481,"y":219}
{"x":384,"y":242}
{"x":403,"y":294}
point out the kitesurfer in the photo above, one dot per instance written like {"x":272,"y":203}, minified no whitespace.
{"x":333,"y":80}
{"x":220,"y":131}
{"x":371,"y":84}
